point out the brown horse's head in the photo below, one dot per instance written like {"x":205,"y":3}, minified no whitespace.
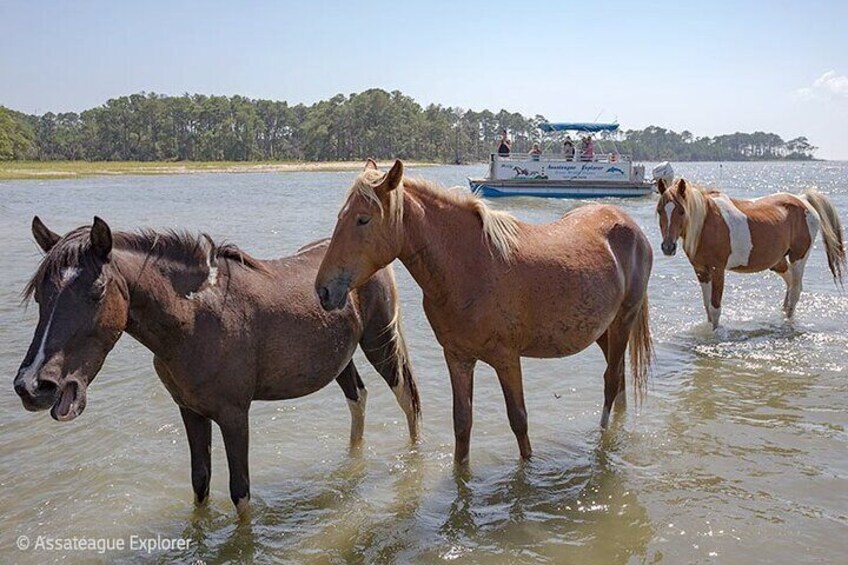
{"x":82,"y":310}
{"x":672,"y":214}
{"x":367,"y":235}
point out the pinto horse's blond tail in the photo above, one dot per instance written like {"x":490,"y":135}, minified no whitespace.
{"x":831,"y":229}
{"x":641,"y":351}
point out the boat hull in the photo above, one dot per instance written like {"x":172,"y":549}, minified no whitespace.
{"x":559,"y":189}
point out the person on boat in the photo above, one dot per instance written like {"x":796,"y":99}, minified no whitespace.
{"x":587,"y":150}
{"x":504,"y":145}
{"x":535,"y":152}
{"x":568,"y":148}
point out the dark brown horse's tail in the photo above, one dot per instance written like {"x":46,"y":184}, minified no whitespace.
{"x":831,"y":229}
{"x":641,"y":350}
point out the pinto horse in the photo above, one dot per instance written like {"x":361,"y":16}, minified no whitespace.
{"x":496,"y":289}
{"x":225,"y":329}
{"x":774,"y":232}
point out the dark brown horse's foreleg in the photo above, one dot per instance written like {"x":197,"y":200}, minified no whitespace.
{"x":199,"y":432}
{"x":234,"y":428}
{"x":462,"y":384}
{"x":354,"y":391}
{"x":509,"y":375}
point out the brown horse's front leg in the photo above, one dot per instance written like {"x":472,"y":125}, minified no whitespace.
{"x":715,"y":297}
{"x":199,"y":432}
{"x":462,"y":382}
{"x":234,"y":428}
{"x":509,"y":375}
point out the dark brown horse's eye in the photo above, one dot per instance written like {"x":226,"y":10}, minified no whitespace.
{"x":363,"y":220}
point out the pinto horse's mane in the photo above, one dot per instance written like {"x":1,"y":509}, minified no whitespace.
{"x":177,"y":245}
{"x":500,"y":228}
{"x":695,"y":208}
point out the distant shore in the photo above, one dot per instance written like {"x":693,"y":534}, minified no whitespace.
{"x":28,"y":170}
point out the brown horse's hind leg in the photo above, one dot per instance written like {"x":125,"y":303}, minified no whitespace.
{"x":618,"y":334}
{"x":462,"y":385}
{"x":509,"y":375}
{"x":354,"y":391}
{"x":782,"y":269}
{"x":385,"y":349}
{"x":199,"y":432}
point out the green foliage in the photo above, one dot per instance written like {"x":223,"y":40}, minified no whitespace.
{"x":16,"y":136}
{"x":373,"y":123}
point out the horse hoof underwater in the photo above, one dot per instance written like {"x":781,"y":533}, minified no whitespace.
{"x":496,"y":289}
{"x":747,"y":236}
{"x":225,"y":329}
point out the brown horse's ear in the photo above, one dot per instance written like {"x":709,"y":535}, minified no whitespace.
{"x":101,"y":238}
{"x":681,"y":188}
{"x":371,"y":164}
{"x":45,"y":238}
{"x":392,"y":179}
{"x":661,"y":188}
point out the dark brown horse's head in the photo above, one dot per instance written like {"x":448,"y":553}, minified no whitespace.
{"x":83,"y":305}
{"x":672,"y":214}
{"x":367,"y":236}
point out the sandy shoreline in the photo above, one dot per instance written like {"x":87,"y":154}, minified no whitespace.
{"x":22,"y":170}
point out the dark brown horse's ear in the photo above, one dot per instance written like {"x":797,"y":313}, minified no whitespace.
{"x":371,"y":164}
{"x":101,"y":238}
{"x":681,"y":188}
{"x":45,"y":238}
{"x":392,"y":179}
{"x":661,"y":188}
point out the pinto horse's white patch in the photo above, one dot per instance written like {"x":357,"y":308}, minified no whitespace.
{"x":740,"y":232}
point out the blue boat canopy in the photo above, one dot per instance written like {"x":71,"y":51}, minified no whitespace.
{"x":574,"y":126}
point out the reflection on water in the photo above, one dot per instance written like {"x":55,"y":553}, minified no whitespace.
{"x":738,"y":453}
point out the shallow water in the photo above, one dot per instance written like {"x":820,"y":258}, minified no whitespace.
{"x":739,"y":453}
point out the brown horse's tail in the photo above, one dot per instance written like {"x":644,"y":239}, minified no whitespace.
{"x":641,"y":350}
{"x":831,"y":229}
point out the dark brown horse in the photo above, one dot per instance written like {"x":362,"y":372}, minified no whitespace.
{"x":225,"y":329}
{"x":496,"y":289}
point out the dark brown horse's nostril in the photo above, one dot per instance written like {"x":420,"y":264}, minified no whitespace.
{"x":20,"y":387}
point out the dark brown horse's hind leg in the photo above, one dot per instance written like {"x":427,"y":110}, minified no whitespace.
{"x":354,"y":391}
{"x":509,"y":375}
{"x":617,"y":336}
{"x":199,"y":432}
{"x":385,"y":349}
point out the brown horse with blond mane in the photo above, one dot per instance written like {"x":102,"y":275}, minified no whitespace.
{"x":774,"y":232}
{"x":225,"y":329}
{"x":496,"y":289}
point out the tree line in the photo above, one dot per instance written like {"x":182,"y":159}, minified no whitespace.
{"x":373,"y":123}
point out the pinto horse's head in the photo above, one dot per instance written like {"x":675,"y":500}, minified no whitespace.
{"x":367,"y":237}
{"x":83,"y":305}
{"x":672,"y":214}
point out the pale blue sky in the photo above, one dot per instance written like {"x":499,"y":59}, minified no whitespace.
{"x":716,"y":67}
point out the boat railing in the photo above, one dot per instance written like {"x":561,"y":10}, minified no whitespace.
{"x":559,"y":157}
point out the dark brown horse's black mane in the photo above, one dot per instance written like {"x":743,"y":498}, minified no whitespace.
{"x":177,"y":245}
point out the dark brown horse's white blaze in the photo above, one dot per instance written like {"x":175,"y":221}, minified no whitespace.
{"x":774,"y":232}
{"x":225,"y":329}
{"x":496,"y":289}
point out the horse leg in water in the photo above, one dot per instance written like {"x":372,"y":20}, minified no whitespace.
{"x":796,"y":268}
{"x":509,"y":375}
{"x":782,"y":269}
{"x":461,"y":371}
{"x":384,"y":347}
{"x":199,"y":432}
{"x":712,"y":287}
{"x":234,"y":428}
{"x":354,"y":391}
{"x":617,"y":338}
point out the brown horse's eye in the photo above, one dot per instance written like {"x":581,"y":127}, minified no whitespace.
{"x":363,"y":220}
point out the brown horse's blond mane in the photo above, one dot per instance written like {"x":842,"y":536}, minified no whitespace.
{"x":181,"y":246}
{"x":695,"y":208}
{"x":500,"y":228}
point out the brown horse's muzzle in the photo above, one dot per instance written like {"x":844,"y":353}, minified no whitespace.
{"x":333,"y":294}
{"x":669,"y":248}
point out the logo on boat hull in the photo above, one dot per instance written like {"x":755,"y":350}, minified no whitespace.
{"x":522,"y":173}
{"x":615,"y":170}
